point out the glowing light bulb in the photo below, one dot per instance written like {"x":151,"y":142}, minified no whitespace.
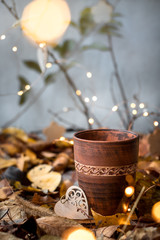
{"x":94,"y":98}
{"x":114,"y":108}
{"x":145,"y":114}
{"x":78,"y":93}
{"x":48,"y":65}
{"x":65,"y":109}
{"x":155,"y":123}
{"x":14,"y":49}
{"x":129,"y":209}
{"x":2,"y":37}
{"x":134,"y":111}
{"x":141,"y":105}
{"x":132,"y":105}
{"x":129,"y":191}
{"x":87,"y":100}
{"x":89,"y":74}
{"x":27,"y":87}
{"x":156,"y":212}
{"x":91,"y":121}
{"x":78,"y":233}
{"x":71,"y":142}
{"x":42,"y":44}
{"x":62,"y":138}
{"x":20,"y":93}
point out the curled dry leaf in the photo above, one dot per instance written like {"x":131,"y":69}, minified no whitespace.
{"x":61,"y":162}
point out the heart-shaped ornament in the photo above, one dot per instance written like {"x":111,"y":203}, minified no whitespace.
{"x":73,"y":204}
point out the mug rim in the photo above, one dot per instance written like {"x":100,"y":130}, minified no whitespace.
{"x":75,"y":136}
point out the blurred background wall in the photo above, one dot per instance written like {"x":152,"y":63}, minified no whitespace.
{"x":138,"y":57}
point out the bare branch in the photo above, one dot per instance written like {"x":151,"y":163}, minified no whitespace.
{"x":24,"y":110}
{"x":12,"y":9}
{"x":119,"y":82}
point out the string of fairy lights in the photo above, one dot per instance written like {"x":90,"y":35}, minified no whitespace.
{"x":93,"y":99}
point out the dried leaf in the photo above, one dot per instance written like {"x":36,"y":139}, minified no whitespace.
{"x":19,"y":133}
{"x":33,"y":210}
{"x":55,"y":225}
{"x":61,"y":162}
{"x":5,"y":189}
{"x":144,"y":146}
{"x":42,"y":177}
{"x":38,"y":171}
{"x":102,"y":221}
{"x":154,"y":140}
{"x":8,"y":236}
{"x":152,"y":165}
{"x":15,"y":210}
{"x":148,"y":233}
{"x":48,"y":154}
{"x":22,"y":162}
{"x":49,"y":181}
{"x":40,"y":146}
{"x":64,"y":186}
{"x":41,"y":200}
{"x":7,"y":163}
{"x":10,"y":148}
{"x":106,"y":232}
{"x":53,"y":131}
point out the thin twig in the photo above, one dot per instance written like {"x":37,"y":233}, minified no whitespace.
{"x":133,"y":208}
{"x":73,"y":86}
{"x":24,"y":110}
{"x":12,"y":10}
{"x":56,"y":115}
{"x":134,"y":118}
{"x":119,"y":81}
{"x":115,"y":102}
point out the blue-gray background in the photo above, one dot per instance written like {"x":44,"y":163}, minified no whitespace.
{"x":138,"y":57}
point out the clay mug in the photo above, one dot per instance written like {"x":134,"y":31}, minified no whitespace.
{"x":103,"y":159}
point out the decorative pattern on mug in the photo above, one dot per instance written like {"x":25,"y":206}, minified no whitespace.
{"x":105,"y":171}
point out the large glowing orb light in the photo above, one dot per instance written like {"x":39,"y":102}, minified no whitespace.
{"x":45,"y":21}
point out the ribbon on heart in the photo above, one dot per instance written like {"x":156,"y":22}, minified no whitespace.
{"x":73,"y":204}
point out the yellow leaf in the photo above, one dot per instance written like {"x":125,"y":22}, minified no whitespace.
{"x":42,"y":177}
{"x":19,"y":133}
{"x":30,"y":154}
{"x":7,"y":163}
{"x":10,"y":148}
{"x":117,"y":219}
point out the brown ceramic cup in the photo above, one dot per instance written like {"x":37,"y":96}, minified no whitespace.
{"x":103,"y":158}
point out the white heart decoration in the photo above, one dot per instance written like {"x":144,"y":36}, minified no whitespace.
{"x":73,"y":204}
